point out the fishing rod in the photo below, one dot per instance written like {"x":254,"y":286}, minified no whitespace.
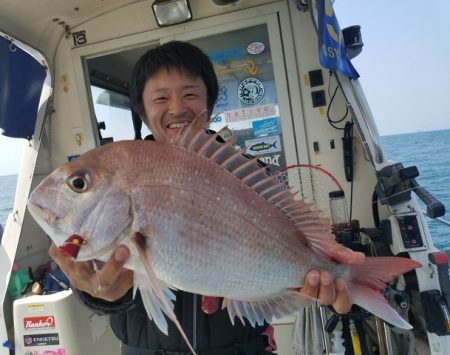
{"x":439,"y":219}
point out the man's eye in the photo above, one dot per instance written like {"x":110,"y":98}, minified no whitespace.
{"x":191,"y":96}
{"x":159,"y":99}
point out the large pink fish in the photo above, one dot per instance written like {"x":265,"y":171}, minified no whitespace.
{"x":200,"y":217}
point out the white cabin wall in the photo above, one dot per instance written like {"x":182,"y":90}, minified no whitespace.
{"x":319,"y":130}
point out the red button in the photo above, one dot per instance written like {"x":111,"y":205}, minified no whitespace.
{"x":410,"y":228}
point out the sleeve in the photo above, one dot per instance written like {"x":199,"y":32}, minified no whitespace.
{"x":103,"y":307}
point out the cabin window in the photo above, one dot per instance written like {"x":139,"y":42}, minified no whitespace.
{"x":248,"y":102}
{"x":113,"y":115}
{"x":109,"y":77}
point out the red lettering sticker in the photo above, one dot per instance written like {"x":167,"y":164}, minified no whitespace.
{"x":45,"y":322}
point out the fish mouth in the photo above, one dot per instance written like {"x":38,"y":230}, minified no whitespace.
{"x":40,"y":213}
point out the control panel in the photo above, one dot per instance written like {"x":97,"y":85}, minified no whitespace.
{"x":406,"y":233}
{"x":410,"y":231}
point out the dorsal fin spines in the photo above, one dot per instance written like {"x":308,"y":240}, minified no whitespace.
{"x":241,"y":169}
{"x":259,"y":169}
{"x":211,"y":140}
{"x":233,"y":160}
{"x":222,"y":153}
{"x":194,"y":140}
{"x":311,"y":224}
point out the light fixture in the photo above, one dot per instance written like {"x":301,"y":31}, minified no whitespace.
{"x":353,"y":40}
{"x":171,"y":12}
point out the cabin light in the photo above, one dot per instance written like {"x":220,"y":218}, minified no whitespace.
{"x":171,"y":12}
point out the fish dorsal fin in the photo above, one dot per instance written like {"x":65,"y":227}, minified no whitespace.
{"x":312,"y":225}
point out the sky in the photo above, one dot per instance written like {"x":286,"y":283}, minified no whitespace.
{"x":404,"y":67}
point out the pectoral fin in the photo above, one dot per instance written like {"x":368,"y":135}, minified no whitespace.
{"x":152,"y":303}
{"x":155,"y":295}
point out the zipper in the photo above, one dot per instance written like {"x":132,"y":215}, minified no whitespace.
{"x":194,"y":323}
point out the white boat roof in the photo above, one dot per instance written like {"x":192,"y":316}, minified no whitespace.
{"x":42,"y":22}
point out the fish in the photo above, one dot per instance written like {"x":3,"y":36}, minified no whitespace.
{"x":201,"y":217}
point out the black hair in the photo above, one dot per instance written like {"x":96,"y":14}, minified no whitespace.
{"x":173,"y":55}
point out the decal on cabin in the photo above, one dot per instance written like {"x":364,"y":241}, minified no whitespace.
{"x":251,"y":91}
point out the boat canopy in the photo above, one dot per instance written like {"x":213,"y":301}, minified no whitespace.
{"x":21,"y":82}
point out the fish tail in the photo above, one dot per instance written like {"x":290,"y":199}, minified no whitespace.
{"x":370,"y":278}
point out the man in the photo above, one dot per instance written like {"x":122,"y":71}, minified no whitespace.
{"x":171,"y":86}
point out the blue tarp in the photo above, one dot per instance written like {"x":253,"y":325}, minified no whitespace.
{"x":21,"y":81}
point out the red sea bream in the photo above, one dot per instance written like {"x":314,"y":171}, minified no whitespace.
{"x":203,"y":218}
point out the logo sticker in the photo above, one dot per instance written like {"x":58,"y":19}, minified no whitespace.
{"x":273,"y":160}
{"x":251,"y":91}
{"x":266,"y":127}
{"x":248,"y":113}
{"x":45,"y":322}
{"x":248,"y":66}
{"x":255,"y":48}
{"x":262,"y":146}
{"x":41,"y":339}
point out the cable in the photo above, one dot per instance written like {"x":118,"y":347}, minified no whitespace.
{"x":332,"y":97}
{"x":375,"y":212}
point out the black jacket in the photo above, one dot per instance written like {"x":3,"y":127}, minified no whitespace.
{"x":215,"y":335}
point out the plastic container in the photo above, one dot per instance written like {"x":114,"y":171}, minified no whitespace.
{"x":338,"y":208}
{"x":17,"y":282}
{"x":59,"y":324}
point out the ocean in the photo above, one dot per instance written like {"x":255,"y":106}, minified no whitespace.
{"x":429,"y":151}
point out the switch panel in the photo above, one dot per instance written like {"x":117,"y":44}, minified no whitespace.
{"x":318,"y":98}
{"x":410,"y":231}
{"x":315,"y":77}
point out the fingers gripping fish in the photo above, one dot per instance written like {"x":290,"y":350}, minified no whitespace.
{"x":202,"y":218}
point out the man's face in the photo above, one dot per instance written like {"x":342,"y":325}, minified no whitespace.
{"x":172,"y":99}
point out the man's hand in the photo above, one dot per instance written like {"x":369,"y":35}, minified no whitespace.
{"x":110,"y":282}
{"x":321,"y":285}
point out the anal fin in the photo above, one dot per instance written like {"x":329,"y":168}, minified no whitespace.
{"x":258,"y":311}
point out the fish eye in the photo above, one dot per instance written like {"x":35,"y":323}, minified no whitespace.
{"x":78,"y":183}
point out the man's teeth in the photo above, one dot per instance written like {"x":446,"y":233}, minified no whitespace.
{"x":179,"y":124}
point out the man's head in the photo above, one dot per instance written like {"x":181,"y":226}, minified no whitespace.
{"x":173,"y":56}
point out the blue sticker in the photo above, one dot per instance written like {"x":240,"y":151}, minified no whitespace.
{"x":227,"y":54}
{"x":266,"y":127}
{"x":264,"y":145}
{"x":222,"y":98}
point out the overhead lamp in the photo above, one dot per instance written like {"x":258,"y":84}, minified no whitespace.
{"x":171,"y":12}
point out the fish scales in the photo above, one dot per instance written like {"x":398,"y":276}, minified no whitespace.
{"x":240,"y":231}
{"x":212,"y":223}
